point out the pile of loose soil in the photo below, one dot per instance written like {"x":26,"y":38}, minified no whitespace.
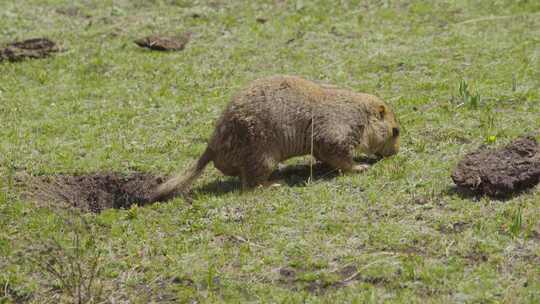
{"x":164,"y":43}
{"x":31,"y":48}
{"x":94,"y":192}
{"x":500,"y":172}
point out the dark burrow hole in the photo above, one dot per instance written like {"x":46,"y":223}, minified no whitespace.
{"x":94,"y":192}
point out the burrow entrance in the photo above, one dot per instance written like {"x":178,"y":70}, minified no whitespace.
{"x":93,"y":192}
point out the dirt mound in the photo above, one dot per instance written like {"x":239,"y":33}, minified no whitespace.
{"x":164,"y":43}
{"x":94,"y":192}
{"x":31,"y":48}
{"x":500,"y":172}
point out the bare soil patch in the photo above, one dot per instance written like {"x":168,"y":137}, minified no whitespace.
{"x":452,"y":228}
{"x":164,"y":43}
{"x":94,"y":192}
{"x":72,"y":11}
{"x":346,"y":276}
{"x":32,"y":48}
{"x":500,"y":172}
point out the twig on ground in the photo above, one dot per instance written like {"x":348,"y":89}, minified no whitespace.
{"x":243,"y":240}
{"x":491,"y":18}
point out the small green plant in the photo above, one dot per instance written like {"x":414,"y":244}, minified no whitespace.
{"x":71,"y":269}
{"x":488,"y":122}
{"x":471,"y":100}
{"x":517,"y":221}
{"x":132,"y":212}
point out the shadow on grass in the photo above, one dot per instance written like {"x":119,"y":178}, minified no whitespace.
{"x":462,"y":193}
{"x":475,"y":196}
{"x":293,"y":175}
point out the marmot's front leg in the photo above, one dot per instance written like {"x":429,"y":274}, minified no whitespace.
{"x":339,"y":155}
{"x":256,"y":171}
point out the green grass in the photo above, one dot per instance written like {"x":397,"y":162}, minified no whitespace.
{"x":458,"y":74}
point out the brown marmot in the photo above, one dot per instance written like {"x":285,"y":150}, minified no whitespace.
{"x":280,"y":117}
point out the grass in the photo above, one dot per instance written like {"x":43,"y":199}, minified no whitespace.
{"x":396,"y":234}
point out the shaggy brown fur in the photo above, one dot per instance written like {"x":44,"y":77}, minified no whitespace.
{"x":280,"y":117}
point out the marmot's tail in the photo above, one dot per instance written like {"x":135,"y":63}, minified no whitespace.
{"x":181,"y":182}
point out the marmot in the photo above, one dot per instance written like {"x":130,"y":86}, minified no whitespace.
{"x":280,"y":117}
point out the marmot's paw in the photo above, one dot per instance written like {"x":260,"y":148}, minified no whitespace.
{"x":269,"y":184}
{"x":360,"y":167}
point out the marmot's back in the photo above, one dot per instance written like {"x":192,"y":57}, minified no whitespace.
{"x":280,"y":109}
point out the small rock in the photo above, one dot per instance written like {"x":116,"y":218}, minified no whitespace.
{"x":261,"y":19}
{"x":164,"y":43}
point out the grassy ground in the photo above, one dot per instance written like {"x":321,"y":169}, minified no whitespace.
{"x":396,"y":234}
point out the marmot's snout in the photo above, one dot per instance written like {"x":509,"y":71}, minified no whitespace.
{"x":391,"y":147}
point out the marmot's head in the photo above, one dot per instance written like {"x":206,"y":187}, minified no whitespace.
{"x":383,"y":131}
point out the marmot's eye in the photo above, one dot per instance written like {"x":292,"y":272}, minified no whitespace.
{"x":395,"y":132}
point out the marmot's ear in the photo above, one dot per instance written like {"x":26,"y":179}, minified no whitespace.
{"x":382,"y":111}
